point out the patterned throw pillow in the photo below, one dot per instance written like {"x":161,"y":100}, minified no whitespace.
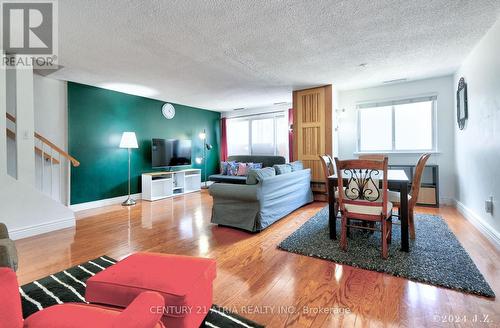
{"x":256,"y":175}
{"x":242,"y":169}
{"x":297,"y":166}
{"x":223,"y":168}
{"x":256,"y":166}
{"x":232,"y":168}
{"x":282,"y":168}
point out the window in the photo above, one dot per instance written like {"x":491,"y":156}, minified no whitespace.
{"x":265,"y":134}
{"x":237,"y":137}
{"x":397,"y":126}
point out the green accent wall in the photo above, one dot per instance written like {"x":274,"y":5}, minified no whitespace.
{"x":96,"y":119}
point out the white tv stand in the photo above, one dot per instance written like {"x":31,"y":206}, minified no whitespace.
{"x":159,"y":185}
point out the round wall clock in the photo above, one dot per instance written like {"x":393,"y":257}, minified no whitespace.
{"x":168,"y":111}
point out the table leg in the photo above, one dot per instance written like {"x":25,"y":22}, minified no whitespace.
{"x":332,"y":209}
{"x":405,"y":246}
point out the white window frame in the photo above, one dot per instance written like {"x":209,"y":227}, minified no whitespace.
{"x":393,"y":103}
{"x":256,"y":117}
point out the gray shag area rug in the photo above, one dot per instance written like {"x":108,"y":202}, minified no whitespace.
{"x":436,"y":256}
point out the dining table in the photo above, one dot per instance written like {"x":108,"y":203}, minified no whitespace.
{"x":397,"y":180}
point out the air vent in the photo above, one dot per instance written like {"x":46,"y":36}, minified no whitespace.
{"x":280,"y":103}
{"x":242,"y":108}
{"x":395,"y":81}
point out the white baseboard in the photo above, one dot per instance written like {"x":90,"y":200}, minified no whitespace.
{"x":479,"y":223}
{"x":447,"y":201}
{"x":102,"y":202}
{"x":41,"y":228}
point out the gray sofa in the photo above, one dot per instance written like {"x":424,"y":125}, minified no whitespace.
{"x":8,"y":252}
{"x":267,"y":161}
{"x":255,"y":207}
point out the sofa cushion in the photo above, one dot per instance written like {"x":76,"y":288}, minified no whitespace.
{"x":297,"y":166}
{"x":223,"y":168}
{"x":179,"y":279}
{"x":282,"y":168}
{"x":227,"y":178}
{"x":256,"y":175}
{"x":243,"y":169}
{"x":267,"y":161}
{"x":232,"y":168}
{"x":254,"y":166}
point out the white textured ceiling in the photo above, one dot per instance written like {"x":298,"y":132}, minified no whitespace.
{"x":222,"y":55}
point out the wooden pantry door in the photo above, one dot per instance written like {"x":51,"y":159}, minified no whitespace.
{"x":312,"y":130}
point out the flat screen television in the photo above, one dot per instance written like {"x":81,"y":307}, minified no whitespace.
{"x":171,"y":152}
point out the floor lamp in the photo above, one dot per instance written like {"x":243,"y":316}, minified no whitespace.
{"x":206,"y":146}
{"x":129,"y":141}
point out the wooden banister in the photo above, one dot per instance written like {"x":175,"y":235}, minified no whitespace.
{"x":11,"y":134}
{"x":61,"y":152}
{"x":57,"y":149}
{"x":10,"y":117}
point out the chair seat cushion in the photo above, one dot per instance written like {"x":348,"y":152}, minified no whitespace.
{"x":395,"y":196}
{"x":75,"y":315}
{"x":183,"y":281}
{"x":368,"y":210}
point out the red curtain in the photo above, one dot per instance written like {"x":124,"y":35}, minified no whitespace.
{"x":290,"y":134}
{"x":223,"y":139}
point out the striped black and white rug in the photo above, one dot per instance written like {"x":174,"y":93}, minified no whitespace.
{"x":69,"y":286}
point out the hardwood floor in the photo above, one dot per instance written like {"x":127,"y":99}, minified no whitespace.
{"x":262,"y":283}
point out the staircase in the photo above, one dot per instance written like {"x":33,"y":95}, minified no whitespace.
{"x":34,"y":172}
{"x":50,"y":172}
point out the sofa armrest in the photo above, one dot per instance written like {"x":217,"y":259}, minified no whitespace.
{"x":145,"y":311}
{"x":8,"y":254}
{"x":11,"y":314}
{"x":235,"y":191}
{"x":284,"y":184}
{"x":4,"y":232}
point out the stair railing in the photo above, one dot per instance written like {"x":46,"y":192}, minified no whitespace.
{"x":49,"y":153}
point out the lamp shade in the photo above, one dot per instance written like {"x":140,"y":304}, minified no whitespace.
{"x":128,"y":140}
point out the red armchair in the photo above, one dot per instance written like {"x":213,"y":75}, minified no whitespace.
{"x":141,"y":313}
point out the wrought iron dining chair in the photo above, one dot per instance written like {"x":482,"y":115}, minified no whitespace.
{"x":328,"y":167}
{"x":395,"y":197}
{"x":363,"y":200}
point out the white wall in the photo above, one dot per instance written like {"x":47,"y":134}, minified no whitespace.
{"x":3,"y":121}
{"x":25,"y":126}
{"x":443,"y":87}
{"x":477,"y":147}
{"x":25,"y":210}
{"x":51,"y":121}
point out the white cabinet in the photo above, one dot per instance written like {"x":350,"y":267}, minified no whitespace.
{"x":159,"y":185}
